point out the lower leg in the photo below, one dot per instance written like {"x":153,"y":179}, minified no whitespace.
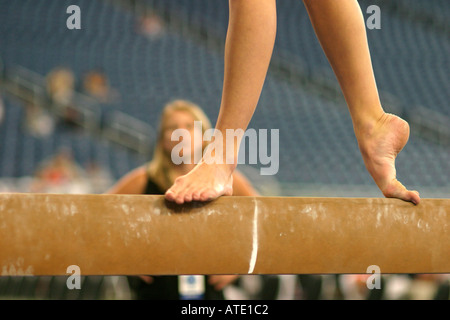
{"x":248,"y":50}
{"x":340,"y":28}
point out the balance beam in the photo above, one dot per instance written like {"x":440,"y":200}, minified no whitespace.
{"x":44,"y":234}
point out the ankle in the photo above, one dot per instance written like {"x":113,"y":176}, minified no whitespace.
{"x":367,"y":126}
{"x":217,"y":155}
{"x":223,"y":149}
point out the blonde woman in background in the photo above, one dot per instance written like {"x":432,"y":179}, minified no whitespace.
{"x":157,"y":176}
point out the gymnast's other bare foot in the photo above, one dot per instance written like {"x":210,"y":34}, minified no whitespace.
{"x":380,"y":145}
{"x":207,"y":181}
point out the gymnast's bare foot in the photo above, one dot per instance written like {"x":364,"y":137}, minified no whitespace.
{"x":379,"y":147}
{"x":207,"y":181}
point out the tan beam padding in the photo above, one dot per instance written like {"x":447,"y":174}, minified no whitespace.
{"x":44,"y":234}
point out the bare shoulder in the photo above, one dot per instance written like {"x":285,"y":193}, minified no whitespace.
{"x":131,"y":183}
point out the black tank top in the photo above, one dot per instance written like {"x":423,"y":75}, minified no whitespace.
{"x":152,"y":188}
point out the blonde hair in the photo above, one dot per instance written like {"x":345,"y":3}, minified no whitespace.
{"x":60,"y":84}
{"x":159,"y":167}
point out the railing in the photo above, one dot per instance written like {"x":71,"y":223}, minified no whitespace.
{"x":82,"y":110}
{"x":431,"y":125}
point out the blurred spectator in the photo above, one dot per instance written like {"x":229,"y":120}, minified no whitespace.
{"x":38,"y":121}
{"x":99,"y":177}
{"x":429,"y":287}
{"x":310,"y":286}
{"x":60,"y":174}
{"x":61,"y":90}
{"x":151,"y":26}
{"x":354,"y":287}
{"x":61,"y":85}
{"x":397,"y":287}
{"x":96,"y":84}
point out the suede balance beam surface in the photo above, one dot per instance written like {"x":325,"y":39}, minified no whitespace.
{"x":44,"y":234}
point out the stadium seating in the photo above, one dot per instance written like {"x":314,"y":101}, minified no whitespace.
{"x":317,"y":145}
